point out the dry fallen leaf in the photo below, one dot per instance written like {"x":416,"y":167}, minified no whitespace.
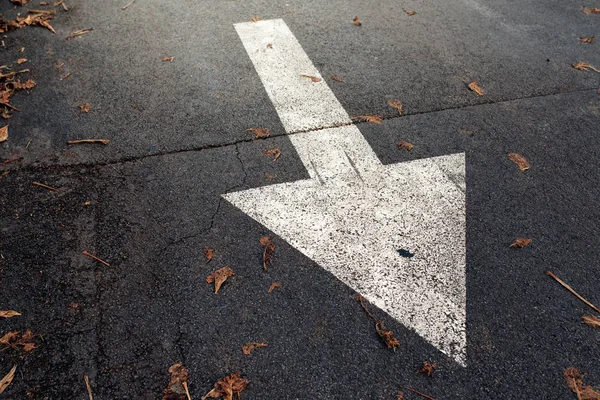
{"x":169,"y":59}
{"x":21,"y":61}
{"x":337,"y":78}
{"x":312,"y":78}
{"x":9,"y":314}
{"x":583,"y":66}
{"x":36,"y":17}
{"x":475,"y":87}
{"x":4,"y":133}
{"x":269,"y":246}
{"x":219,"y":277}
{"x":428,"y":368}
{"x":387,"y":336}
{"x":18,"y":85}
{"x":587,"y":10}
{"x":259,"y":132}
{"x":247,"y":349}
{"x":394,"y":103}
{"x":592,"y":321}
{"x":405,"y":146}
{"x":587,"y":39}
{"x":269,"y":176}
{"x":374,"y":119}
{"x":574,"y":380}
{"x":85,"y":108}
{"x":274,"y":285}
{"x":209,"y":253}
{"x":11,"y":339}
{"x":80,"y":32}
{"x":228,"y":386}
{"x":178,"y":388}
{"x":356,"y":21}
{"x":409,"y":12}
{"x":519,"y":160}
{"x":521,"y":242}
{"x":275,"y":153}
{"x":7,"y":379}
{"x":255,"y":19}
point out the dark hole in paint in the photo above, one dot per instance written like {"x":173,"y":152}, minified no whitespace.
{"x":405,"y":253}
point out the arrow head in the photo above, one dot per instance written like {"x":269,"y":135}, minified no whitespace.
{"x":395,"y":234}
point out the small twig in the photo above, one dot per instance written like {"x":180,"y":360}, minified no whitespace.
{"x":87,"y":385}
{"x":103,"y":141}
{"x":419,"y":393}
{"x":570,"y":289}
{"x":10,"y":106}
{"x":11,"y":160}
{"x":360,"y":299}
{"x":80,"y":32}
{"x":85,"y":253}
{"x":185,"y":386}
{"x":28,"y":143}
{"x":10,"y":74}
{"x":123,"y":8}
{"x":45,"y":186}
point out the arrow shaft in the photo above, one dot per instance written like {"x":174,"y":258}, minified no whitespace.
{"x":331,"y":147}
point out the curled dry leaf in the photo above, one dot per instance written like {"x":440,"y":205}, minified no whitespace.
{"x":312,"y":78}
{"x":169,"y":59}
{"x":356,"y":21}
{"x":4,"y":133}
{"x":583,"y":66}
{"x":387,"y":336}
{"x":259,"y":133}
{"x":21,"y":61}
{"x":521,"y":242}
{"x":275,"y":153}
{"x":518,"y":159}
{"x":7,"y":379}
{"x":255,"y":19}
{"x":209,"y":254}
{"x":405,"y":146}
{"x":9,"y":314}
{"x":219,"y":277}
{"x":428,"y":368}
{"x":177,"y":388}
{"x":395,"y":103}
{"x":587,"y":39}
{"x":591,"y":320}
{"x":228,"y":386}
{"x":574,"y":380}
{"x":475,"y":87}
{"x":337,"y":78}
{"x":587,"y":10}
{"x":269,"y":246}
{"x":12,"y":339}
{"x":374,"y":119}
{"x":85,"y":108}
{"x":409,"y":12}
{"x":18,"y":85}
{"x":247,"y":349}
{"x":274,"y":285}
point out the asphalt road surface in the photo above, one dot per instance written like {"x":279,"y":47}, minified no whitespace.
{"x":423,"y":234}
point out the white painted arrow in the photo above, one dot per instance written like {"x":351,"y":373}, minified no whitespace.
{"x":355,"y":214}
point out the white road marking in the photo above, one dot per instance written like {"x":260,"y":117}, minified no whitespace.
{"x":354,"y":214}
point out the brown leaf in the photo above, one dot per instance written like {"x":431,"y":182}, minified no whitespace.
{"x":274,"y":285}
{"x":275,"y":153}
{"x":475,"y":87}
{"x":169,"y":59}
{"x":269,"y":246}
{"x":255,"y":19}
{"x":427,"y":369}
{"x":18,"y":85}
{"x":228,"y":386}
{"x":394,"y":103}
{"x":9,"y":337}
{"x":409,"y":12}
{"x":583,"y":66}
{"x":337,"y":78}
{"x":312,"y":78}
{"x":85,"y":108}
{"x":269,"y":176}
{"x":219,"y":277}
{"x":405,"y":146}
{"x":374,"y":119}
{"x":356,"y":21}
{"x":518,"y":159}
{"x":259,"y":133}
{"x":7,"y":379}
{"x":387,"y":336}
{"x":587,"y":39}
{"x":177,"y":388}
{"x":574,"y":380}
{"x":209,"y":253}
{"x":9,"y":314}
{"x":587,"y":10}
{"x":521,"y":242}
{"x":21,"y":61}
{"x":592,"y":321}
{"x":247,"y":349}
{"x":4,"y":133}
{"x":25,"y":341}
